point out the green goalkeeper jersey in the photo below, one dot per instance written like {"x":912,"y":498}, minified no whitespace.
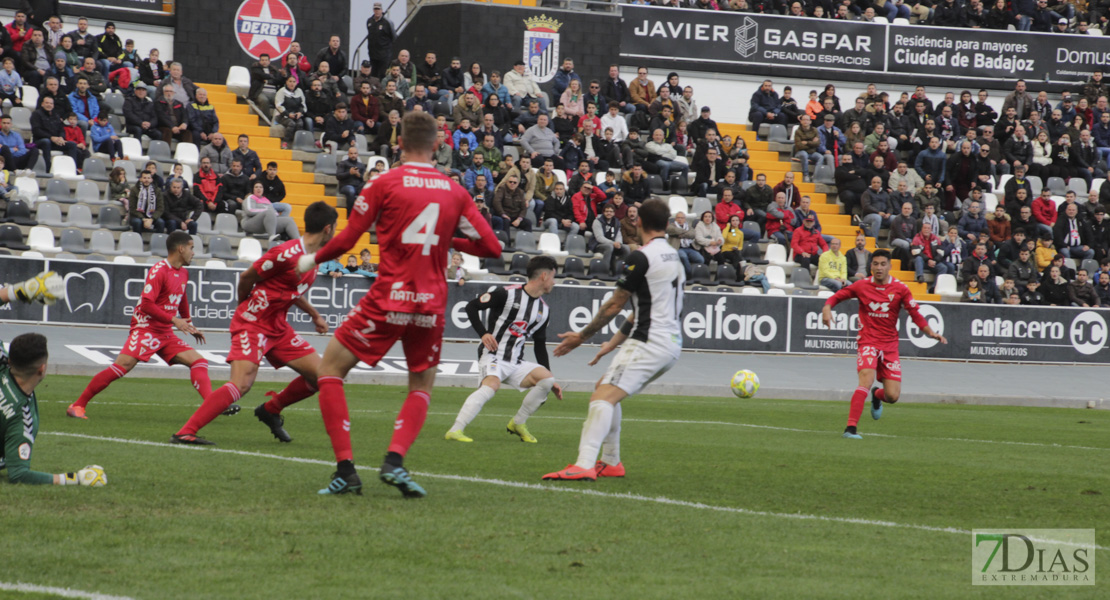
{"x":19,"y":425}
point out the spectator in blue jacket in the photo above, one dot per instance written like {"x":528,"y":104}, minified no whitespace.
{"x":495,"y":88}
{"x":563,"y":78}
{"x":15,"y":152}
{"x":972,"y":223}
{"x":202,"y":118}
{"x":931,"y":163}
{"x":766,"y":107}
{"x":104,"y":138}
{"x":476,"y":169}
{"x":11,"y":84}
{"x":830,"y":137}
{"x":83,"y":103}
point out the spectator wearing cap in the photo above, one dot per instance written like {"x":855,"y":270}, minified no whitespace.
{"x":364,"y":75}
{"x":111,"y":49}
{"x":522,"y":86}
{"x":379,"y":41}
{"x":140,"y":115}
{"x":59,"y":70}
{"x":702,"y":125}
{"x":807,"y":242}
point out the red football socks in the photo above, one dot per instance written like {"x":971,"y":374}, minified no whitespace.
{"x":859,"y":399}
{"x":198,"y":372}
{"x":99,"y":383}
{"x":337,"y":421}
{"x":409,"y":422}
{"x":216,"y":403}
{"x":297,"y":390}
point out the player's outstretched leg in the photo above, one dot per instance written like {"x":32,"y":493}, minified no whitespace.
{"x":855,"y":410}
{"x":405,"y":429}
{"x":215,"y":404}
{"x":610,"y":463}
{"x":533,"y":400}
{"x":99,"y":383}
{"x":470,"y":409}
{"x":270,"y":412}
{"x":598,"y":424}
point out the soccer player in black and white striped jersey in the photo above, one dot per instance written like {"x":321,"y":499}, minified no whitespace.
{"x":516,"y":313}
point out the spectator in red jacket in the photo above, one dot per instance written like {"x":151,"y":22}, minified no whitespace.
{"x":807,"y":242}
{"x":786,"y":186}
{"x":726,"y":208}
{"x":20,"y":31}
{"x":583,"y":208}
{"x":364,"y":109}
{"x":1044,"y":209}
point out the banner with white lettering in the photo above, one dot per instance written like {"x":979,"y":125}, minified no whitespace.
{"x":731,"y":41}
{"x":703,"y":36}
{"x":106,"y":294}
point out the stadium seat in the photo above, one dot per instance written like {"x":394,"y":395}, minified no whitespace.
{"x":776,"y":276}
{"x":752,"y":291}
{"x":700,"y":275}
{"x":900,"y":21}
{"x":21,"y":118}
{"x":11,"y":236}
{"x":198,"y":248}
{"x":1096,"y":185}
{"x":678,"y":205}
{"x":114,"y":100}
{"x":32,"y":254}
{"x":525,"y":241}
{"x":215,"y":264}
{"x":801,"y":279}
{"x":518,"y":265}
{"x":561,"y":176}
{"x":41,"y":167}
{"x":28,"y":188}
{"x":103,"y":242}
{"x":80,"y":216}
{"x":220,"y":247}
{"x":133,"y":150}
{"x":1035,"y":184}
{"x":549,"y":245}
{"x":131,"y":244}
{"x":63,"y":167}
{"x":679,"y":184}
{"x":881,"y":19}
{"x":726,"y":274}
{"x":153,"y":260}
{"x":49,"y":214}
{"x":656,"y":183}
{"x":599,"y":270}
{"x":442,"y":107}
{"x":41,"y":239}
{"x":990,"y":201}
{"x":249,"y":249}
{"x":160,"y":151}
{"x":569,"y":281}
{"x":495,"y":265}
{"x":19,"y":212}
{"x":1090,"y":265}
{"x":824,"y":293}
{"x":204,"y":224}
{"x":73,"y":240}
{"x":824,"y":173}
{"x":130,"y":174}
{"x":574,"y":268}
{"x":576,"y":246}
{"x":1079,"y":186}
{"x":751,"y":231}
{"x":503,"y":238}
{"x":1002,"y":179}
{"x":776,"y":292}
{"x":123,"y":260}
{"x":227,"y":224}
{"x":187,"y":154}
{"x":158,"y":245}
{"x":472,"y":264}
{"x":111,"y":218}
{"x":751,"y":254}
{"x":514,"y":151}
{"x":58,"y":191}
{"x":325,"y":165}
{"x":1056,"y":185}
{"x":95,"y":170}
{"x":239,"y":81}
{"x":305,"y":141}
{"x":778,"y":134}
{"x":946,"y":285}
{"x":776,"y":255}
{"x":700,"y":206}
{"x":88,"y":192}
{"x":30,"y":95}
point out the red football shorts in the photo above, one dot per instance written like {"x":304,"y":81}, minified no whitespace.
{"x":251,"y":345}
{"x":143,"y":344}
{"x":369,"y":337}
{"x":887,"y":365}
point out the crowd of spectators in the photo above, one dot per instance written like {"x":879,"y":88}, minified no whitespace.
{"x":1057,"y":16}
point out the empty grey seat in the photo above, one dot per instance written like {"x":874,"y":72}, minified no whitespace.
{"x":824,"y":173}
{"x":58,"y":191}
{"x":198,"y":248}
{"x":80,"y":216}
{"x":576,"y":246}
{"x":220,"y":247}
{"x":305,"y":141}
{"x":160,"y":151}
{"x":227,"y":224}
{"x":112,"y":218}
{"x":50,"y":214}
{"x":103,"y":242}
{"x":115,"y":101}
{"x":95,"y":170}
{"x":801,"y":279}
{"x":525,"y":242}
{"x":778,"y":133}
{"x":158,"y":245}
{"x":89,"y":193}
{"x":325,"y":164}
{"x":204,"y":224}
{"x":131,"y":244}
{"x":21,"y":118}
{"x":73,"y":240}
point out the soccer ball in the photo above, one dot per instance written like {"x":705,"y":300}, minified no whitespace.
{"x":92,"y":476}
{"x":745,"y":384}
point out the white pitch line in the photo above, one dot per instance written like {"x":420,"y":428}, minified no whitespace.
{"x":548,"y":488}
{"x":669,"y":422}
{"x":31,"y":588}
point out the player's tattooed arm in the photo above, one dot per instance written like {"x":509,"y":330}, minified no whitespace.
{"x":610,"y":309}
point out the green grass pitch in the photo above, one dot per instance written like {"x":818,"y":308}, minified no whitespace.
{"x":716,"y":503}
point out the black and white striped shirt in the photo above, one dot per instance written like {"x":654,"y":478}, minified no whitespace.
{"x":513,"y":317}
{"x":654,"y":275}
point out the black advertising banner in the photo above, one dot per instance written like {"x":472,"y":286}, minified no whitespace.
{"x":731,"y":41}
{"x":107,"y":293}
{"x":744,"y":38}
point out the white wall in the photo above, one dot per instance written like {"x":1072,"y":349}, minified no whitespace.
{"x":145,"y":36}
{"x":729,"y":95}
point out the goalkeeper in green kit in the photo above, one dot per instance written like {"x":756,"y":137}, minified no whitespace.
{"x":21,"y":370}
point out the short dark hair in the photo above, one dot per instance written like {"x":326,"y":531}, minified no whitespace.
{"x":271,"y":164}
{"x":654,"y":215}
{"x":341,"y":106}
{"x":319,"y":215}
{"x":539,"y":263}
{"x":881,"y":253}
{"x":176,"y":239}
{"x":26,"y":353}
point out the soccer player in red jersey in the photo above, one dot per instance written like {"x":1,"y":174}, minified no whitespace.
{"x":881,"y":300}
{"x":416,"y":211}
{"x":163,"y":306}
{"x":260,"y":328}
